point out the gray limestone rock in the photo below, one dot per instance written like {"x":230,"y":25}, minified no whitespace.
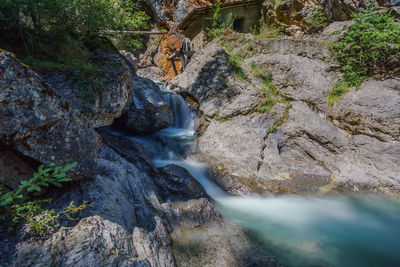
{"x":314,"y":147}
{"x":100,"y":108}
{"x":149,"y":112}
{"x":39,"y":123}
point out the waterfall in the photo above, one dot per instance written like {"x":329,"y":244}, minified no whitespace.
{"x":300,"y":231}
{"x":183,"y":117}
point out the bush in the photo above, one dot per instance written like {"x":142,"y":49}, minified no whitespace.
{"x":317,"y":21}
{"x":218,"y":25}
{"x":15,"y":205}
{"x":371,"y":46}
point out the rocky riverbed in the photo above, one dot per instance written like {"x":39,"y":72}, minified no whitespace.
{"x":138,"y":214}
{"x":162,"y":189}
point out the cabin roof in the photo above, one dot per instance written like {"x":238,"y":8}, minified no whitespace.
{"x":184,"y":25}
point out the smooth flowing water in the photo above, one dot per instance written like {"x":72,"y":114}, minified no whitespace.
{"x":298,"y":231}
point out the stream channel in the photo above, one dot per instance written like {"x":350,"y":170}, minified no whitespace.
{"x":298,"y":231}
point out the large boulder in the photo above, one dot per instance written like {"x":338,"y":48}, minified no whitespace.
{"x":149,"y":112}
{"x":39,"y":123}
{"x":98,"y":107}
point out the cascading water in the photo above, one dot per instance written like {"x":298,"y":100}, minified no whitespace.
{"x":298,"y":231}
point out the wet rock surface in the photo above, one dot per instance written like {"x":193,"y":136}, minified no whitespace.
{"x":136,"y":217}
{"x":148,"y":112}
{"x":37,"y":122}
{"x":300,"y":146}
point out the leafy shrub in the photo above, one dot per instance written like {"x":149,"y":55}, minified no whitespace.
{"x":15,"y":205}
{"x":317,"y":21}
{"x":41,"y":221}
{"x":38,"y":219}
{"x":218,"y":25}
{"x":336,"y":94}
{"x":369,"y":47}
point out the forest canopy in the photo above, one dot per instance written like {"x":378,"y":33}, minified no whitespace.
{"x":34,"y":23}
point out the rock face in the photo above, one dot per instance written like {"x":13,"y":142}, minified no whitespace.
{"x":138,"y":216}
{"x":36,"y":121}
{"x":342,"y":10}
{"x":148,"y":113}
{"x":100,"y":108}
{"x":13,"y":168}
{"x":302,"y":145}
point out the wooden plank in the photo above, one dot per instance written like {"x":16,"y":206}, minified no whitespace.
{"x":174,"y":67}
{"x":135,"y":32}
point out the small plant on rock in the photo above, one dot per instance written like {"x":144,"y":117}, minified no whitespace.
{"x":268,"y":102}
{"x":269,"y":89}
{"x":334,"y":95}
{"x":234,"y":62}
{"x":15,"y":205}
{"x":317,"y":21}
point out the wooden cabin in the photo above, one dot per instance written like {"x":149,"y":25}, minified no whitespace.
{"x":246,"y":15}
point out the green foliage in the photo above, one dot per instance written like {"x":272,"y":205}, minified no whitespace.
{"x":80,"y":18}
{"x":218,"y":25}
{"x":255,"y":70}
{"x":71,"y":209}
{"x":334,"y":95}
{"x":269,"y":90}
{"x":75,"y":63}
{"x":39,"y":220}
{"x":15,"y":204}
{"x":317,"y":21}
{"x":336,"y":32}
{"x":59,"y":34}
{"x":266,"y":31}
{"x":369,"y":47}
{"x":88,"y":79}
{"x":266,"y":77}
{"x":276,"y":4}
{"x":234,"y":62}
{"x":268,"y":101}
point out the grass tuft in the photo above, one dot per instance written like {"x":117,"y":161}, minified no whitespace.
{"x":336,"y":94}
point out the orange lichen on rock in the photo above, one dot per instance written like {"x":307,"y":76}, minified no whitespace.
{"x":168,"y":45}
